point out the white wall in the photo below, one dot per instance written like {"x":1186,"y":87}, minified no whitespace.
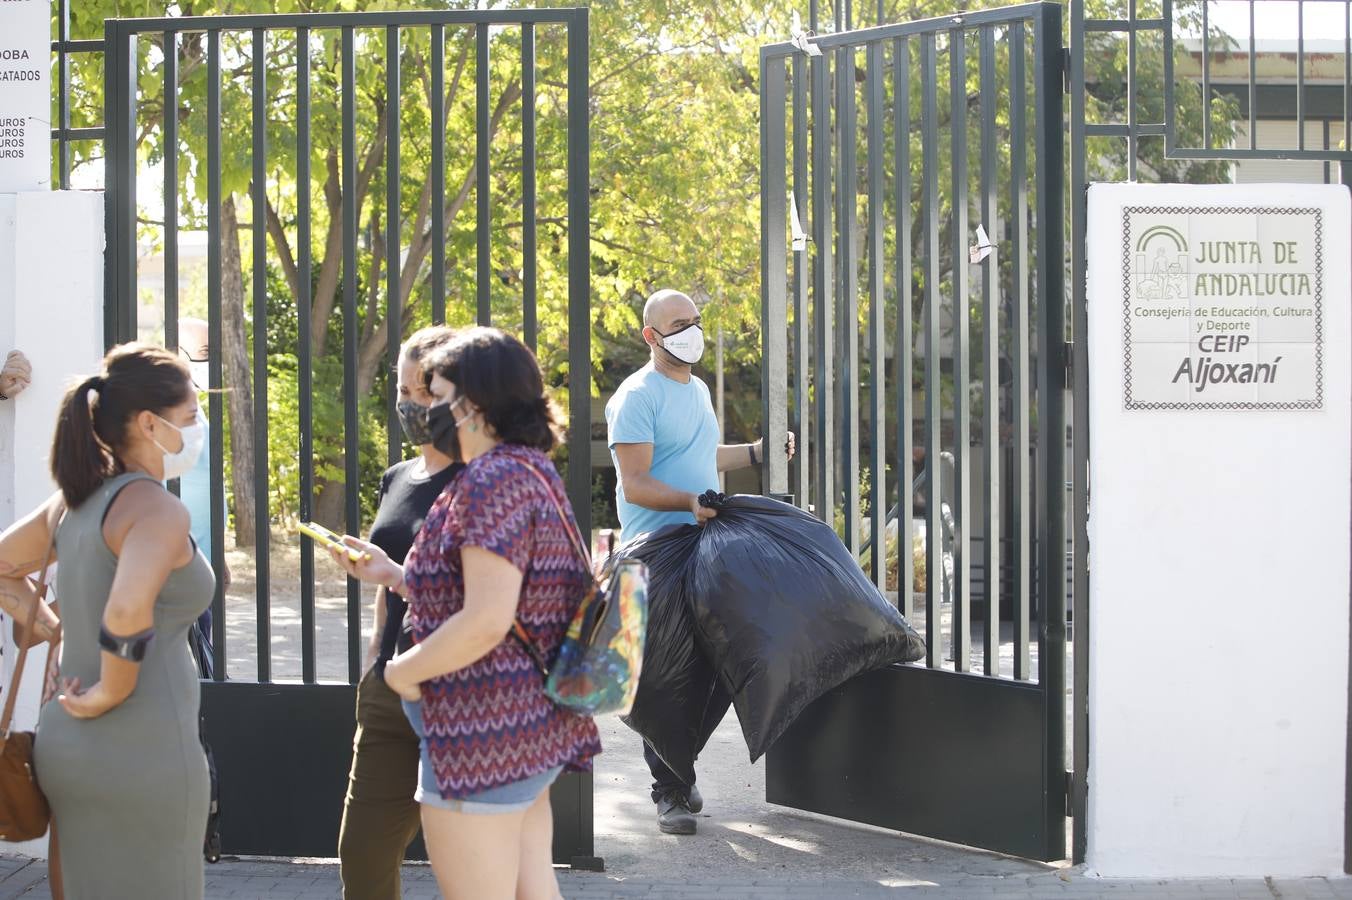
{"x":51,"y":308}
{"x":1219,"y":553}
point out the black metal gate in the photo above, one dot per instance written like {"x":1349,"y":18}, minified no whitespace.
{"x":914,"y":259}
{"x":283,"y":748}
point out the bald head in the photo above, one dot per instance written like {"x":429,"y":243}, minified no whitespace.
{"x":669,"y":307}
{"x":192,"y":339}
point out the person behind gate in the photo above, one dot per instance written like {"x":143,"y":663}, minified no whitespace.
{"x":380,"y":816}
{"x":664,"y":441}
{"x":492,"y":551}
{"x":118,"y":754}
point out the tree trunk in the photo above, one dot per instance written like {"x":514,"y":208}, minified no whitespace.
{"x":330,"y":505}
{"x":235,"y":368}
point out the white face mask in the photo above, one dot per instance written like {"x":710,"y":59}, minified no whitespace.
{"x":177,"y":464}
{"x":201,"y":374}
{"x":687,"y":345}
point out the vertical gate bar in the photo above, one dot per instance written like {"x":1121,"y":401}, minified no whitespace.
{"x":258,"y":201}
{"x":1080,"y":433}
{"x":215,"y":403}
{"x":1051,"y":418}
{"x":63,"y":95}
{"x":774,"y":272}
{"x":812,"y":15}
{"x":170,"y":49}
{"x":483,"y":225}
{"x":822,"y":287}
{"x":304,"y":363}
{"x":847,"y":322}
{"x":990,"y":367}
{"x":394,"y":310}
{"x":579,"y":322}
{"x":438,"y":174}
{"x":1347,"y":75}
{"x":962,"y":413}
{"x":112,"y":190}
{"x":1018,"y":257}
{"x":1328,"y":165}
{"x":1253,"y":78}
{"x":840,"y":441}
{"x":1206,"y":76}
{"x":1300,"y":74}
{"x":120,"y":182}
{"x":579,"y":276}
{"x":802,"y":331}
{"x":169,"y":45}
{"x":877,"y":363}
{"x":351,"y":462}
{"x":1131,"y":87}
{"x":929,"y":124}
{"x":528,"y":227}
{"x":901,"y":134}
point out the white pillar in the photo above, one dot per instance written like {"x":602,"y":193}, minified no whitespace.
{"x":1219,"y":537}
{"x":51,"y":308}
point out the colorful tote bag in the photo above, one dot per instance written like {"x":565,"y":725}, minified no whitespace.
{"x":599,"y":663}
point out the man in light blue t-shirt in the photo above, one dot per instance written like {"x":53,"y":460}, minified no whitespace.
{"x":664,"y":441}
{"x":194,"y":488}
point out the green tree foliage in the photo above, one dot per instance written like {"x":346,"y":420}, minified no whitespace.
{"x":674,"y":184}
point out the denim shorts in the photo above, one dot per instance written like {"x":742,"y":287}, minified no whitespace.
{"x":518,"y":796}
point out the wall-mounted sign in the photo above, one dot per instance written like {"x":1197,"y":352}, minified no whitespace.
{"x":1222,"y":307}
{"x":25,"y":95}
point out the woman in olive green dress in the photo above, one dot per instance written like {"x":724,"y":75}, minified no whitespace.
{"x":117,"y":751}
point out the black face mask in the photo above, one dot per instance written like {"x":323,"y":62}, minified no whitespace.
{"x":413,"y":419}
{"x":443,"y":430}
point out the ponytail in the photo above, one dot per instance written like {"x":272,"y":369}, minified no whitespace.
{"x":92,"y":428}
{"x":79,"y":461}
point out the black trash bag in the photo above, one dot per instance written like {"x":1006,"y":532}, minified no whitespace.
{"x":677,"y":678}
{"x":785,"y":613}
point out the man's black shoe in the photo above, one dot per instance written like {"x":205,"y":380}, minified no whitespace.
{"x":674,"y":815}
{"x":696,"y":802}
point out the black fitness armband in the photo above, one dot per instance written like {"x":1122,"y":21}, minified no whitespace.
{"x":131,"y":648}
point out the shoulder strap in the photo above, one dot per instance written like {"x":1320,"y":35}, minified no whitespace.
{"x":578,"y":544}
{"x":518,"y":629}
{"x":13,"y":694}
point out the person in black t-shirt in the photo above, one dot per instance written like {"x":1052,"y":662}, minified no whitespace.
{"x":380,"y":816}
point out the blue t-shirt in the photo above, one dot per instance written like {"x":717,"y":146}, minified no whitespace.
{"x":194,"y":489}
{"x":678,"y":420}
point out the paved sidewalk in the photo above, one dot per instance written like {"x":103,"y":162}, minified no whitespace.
{"x":257,"y":879}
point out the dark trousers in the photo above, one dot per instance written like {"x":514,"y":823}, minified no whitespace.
{"x":664,"y":780}
{"x":380,"y":816}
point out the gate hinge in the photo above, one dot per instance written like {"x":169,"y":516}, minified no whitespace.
{"x":1065,"y":69}
{"x":1070,"y":789}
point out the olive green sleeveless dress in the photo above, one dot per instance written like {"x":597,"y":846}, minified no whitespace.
{"x":129,"y":789}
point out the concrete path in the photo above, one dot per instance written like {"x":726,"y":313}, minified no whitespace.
{"x":745,"y":848}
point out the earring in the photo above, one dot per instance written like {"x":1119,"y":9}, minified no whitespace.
{"x":473,"y":426}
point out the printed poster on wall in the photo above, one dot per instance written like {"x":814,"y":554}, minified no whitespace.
{"x":1222,"y":307}
{"x":25,"y":96}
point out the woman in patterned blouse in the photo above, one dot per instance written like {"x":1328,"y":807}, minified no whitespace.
{"x":492,"y":550}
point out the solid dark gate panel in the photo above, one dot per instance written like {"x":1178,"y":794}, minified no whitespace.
{"x":914,"y":310}
{"x":283,"y":747}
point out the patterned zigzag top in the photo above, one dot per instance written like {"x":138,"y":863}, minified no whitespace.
{"x":490,"y":723}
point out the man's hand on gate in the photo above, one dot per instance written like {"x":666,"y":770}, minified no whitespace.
{"x":16,"y":375}
{"x":790,"y":446}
